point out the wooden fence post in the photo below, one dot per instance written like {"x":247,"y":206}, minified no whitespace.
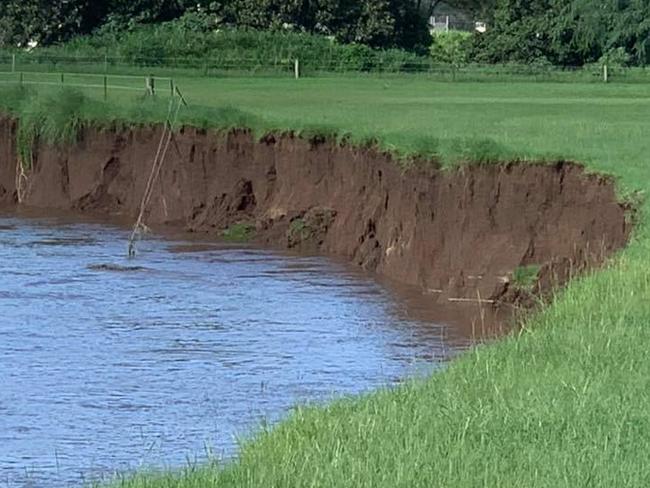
{"x":148,"y":84}
{"x":13,"y":63}
{"x":296,"y":69}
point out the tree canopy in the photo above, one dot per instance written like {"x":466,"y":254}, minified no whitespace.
{"x":377,"y":23}
{"x":564,"y":32}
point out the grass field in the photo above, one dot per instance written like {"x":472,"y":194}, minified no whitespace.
{"x":564,"y":403}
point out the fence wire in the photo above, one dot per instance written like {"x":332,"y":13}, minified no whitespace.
{"x":107,"y":82}
{"x":376,"y":64}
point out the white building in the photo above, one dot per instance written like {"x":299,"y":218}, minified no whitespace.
{"x":445,"y":18}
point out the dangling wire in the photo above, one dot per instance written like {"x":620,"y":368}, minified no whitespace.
{"x":165,"y":139}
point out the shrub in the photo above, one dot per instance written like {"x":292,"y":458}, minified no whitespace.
{"x":193,"y":41}
{"x":450,"y":47}
{"x":617,"y":57}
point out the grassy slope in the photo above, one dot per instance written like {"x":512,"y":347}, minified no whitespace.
{"x":562,"y":404}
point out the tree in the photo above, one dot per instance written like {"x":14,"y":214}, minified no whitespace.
{"x":48,"y":22}
{"x":42,"y":21}
{"x":145,"y":11}
{"x":377,"y":23}
{"x":569,"y":33}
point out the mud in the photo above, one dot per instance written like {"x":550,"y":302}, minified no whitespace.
{"x":456,"y":234}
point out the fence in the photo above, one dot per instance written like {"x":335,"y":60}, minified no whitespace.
{"x":103,"y":64}
{"x":149,"y":84}
{"x":111,"y":69}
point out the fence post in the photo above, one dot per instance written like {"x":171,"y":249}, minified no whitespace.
{"x":62,"y":78}
{"x":105,"y":63}
{"x":105,"y":87}
{"x":13,"y":63}
{"x":171,"y":87}
{"x":605,"y":73}
{"x":296,"y":68}
{"x":148,"y":84}
{"x":152,"y":84}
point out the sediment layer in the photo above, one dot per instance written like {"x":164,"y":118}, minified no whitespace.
{"x":458,"y":233}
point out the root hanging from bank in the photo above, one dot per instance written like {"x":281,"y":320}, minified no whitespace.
{"x":22,"y":181}
{"x":140,"y":228}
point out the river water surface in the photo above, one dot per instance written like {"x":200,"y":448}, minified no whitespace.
{"x":108,"y":365}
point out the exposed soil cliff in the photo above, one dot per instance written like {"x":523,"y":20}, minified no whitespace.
{"x":457,"y":234}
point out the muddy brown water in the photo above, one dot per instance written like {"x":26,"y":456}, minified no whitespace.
{"x":109,"y":365}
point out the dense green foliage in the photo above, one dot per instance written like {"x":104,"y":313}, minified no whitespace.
{"x":563,"y":404}
{"x":47,"y":22}
{"x":191,"y":41}
{"x":450,"y":47}
{"x":566,"y":32}
{"x":378,"y":23}
{"x":543,"y":32}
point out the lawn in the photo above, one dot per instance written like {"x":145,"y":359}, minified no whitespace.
{"x":603,"y":125}
{"x":564,"y":403}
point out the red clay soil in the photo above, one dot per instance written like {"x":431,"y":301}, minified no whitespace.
{"x":455,"y":233}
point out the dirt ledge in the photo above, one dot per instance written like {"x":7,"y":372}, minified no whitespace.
{"x":461,"y":233}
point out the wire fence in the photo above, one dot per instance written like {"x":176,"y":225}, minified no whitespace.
{"x":150,"y":84}
{"x":164,"y":68}
{"x":21,"y":62}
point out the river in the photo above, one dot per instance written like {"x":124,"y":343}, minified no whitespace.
{"x":109,"y":365}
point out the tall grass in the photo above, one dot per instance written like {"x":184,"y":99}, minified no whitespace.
{"x":57,"y":116}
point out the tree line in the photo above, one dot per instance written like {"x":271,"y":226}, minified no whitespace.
{"x":376,"y":23}
{"x":562,"y":32}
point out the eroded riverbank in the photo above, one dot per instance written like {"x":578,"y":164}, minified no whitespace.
{"x":453,"y":234}
{"x":457,"y":234}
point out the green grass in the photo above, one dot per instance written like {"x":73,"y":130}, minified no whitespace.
{"x":563,"y":403}
{"x":298,"y":229}
{"x":525,"y":277}
{"x":602,"y":125}
{"x":240,"y":232}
